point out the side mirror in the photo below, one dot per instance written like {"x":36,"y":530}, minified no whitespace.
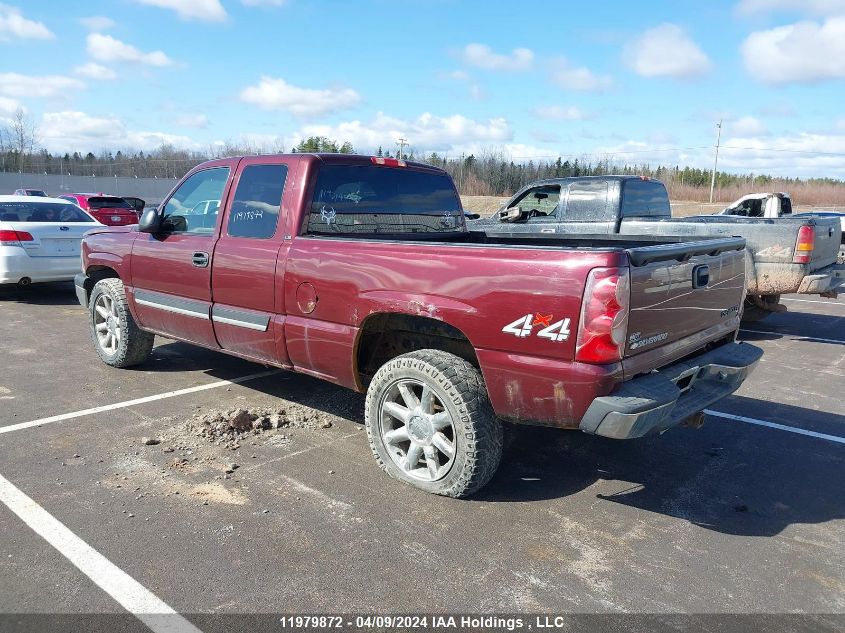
{"x":150,"y":221}
{"x":511,"y":214}
{"x":472,"y":216}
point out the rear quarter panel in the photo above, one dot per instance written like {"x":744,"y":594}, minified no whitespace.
{"x":477,"y":289}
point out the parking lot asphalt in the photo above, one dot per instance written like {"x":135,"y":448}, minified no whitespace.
{"x":735,"y":517}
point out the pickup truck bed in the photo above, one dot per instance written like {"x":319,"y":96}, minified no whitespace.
{"x":361,"y":271}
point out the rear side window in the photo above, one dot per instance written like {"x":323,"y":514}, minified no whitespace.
{"x":785,"y":206}
{"x":353,"y":199}
{"x":255,"y":207}
{"x":42,"y":212}
{"x":108,"y":202}
{"x":587,"y":202}
{"x":645,"y":198}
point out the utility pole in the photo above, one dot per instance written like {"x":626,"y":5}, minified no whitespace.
{"x":461,"y":177}
{"x":716,"y":161}
{"x":401,"y":142}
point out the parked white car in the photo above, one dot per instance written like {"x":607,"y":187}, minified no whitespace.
{"x":40,"y":239}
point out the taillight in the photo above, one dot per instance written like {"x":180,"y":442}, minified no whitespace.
{"x":604,"y":316}
{"x":804,"y":245}
{"x":14,"y":238}
{"x":387,"y":162}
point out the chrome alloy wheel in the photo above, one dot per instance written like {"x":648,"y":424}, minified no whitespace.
{"x":417,"y":430}
{"x":107,"y":324}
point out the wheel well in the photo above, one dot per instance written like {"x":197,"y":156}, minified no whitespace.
{"x":386,"y":336}
{"x":95,"y":274}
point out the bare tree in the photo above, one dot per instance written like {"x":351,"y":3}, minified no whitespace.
{"x":24,"y":136}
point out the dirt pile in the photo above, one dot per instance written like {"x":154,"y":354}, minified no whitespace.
{"x":230,"y":427}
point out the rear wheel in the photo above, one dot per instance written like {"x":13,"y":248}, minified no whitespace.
{"x":117,"y":338}
{"x":752,"y":312}
{"x":430,"y":423}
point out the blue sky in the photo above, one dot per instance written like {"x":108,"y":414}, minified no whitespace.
{"x":636,"y":82}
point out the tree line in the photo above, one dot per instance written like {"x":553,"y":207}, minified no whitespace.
{"x":491,"y":173}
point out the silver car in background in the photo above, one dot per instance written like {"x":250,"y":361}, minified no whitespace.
{"x":40,"y":239}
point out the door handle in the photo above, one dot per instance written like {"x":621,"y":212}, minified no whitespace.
{"x":199,"y":259}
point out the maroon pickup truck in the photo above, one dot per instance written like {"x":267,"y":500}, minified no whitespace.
{"x":361,"y":271}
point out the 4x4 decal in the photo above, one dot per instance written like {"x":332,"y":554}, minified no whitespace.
{"x":524,"y":326}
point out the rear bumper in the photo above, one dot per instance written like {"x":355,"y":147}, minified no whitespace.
{"x":829,"y":279}
{"x":658,"y":401}
{"x":16,"y":264}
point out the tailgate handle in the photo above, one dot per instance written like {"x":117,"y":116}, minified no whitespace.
{"x":700,"y":276}
{"x":199,"y":259}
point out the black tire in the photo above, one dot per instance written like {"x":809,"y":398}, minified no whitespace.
{"x":457,"y":390}
{"x":752,"y":313}
{"x":132,"y":346}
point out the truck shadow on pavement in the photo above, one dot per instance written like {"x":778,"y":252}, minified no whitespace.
{"x":59,"y":293}
{"x":729,"y":477}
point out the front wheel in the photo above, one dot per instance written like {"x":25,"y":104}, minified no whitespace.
{"x":430,"y":423}
{"x":117,"y":338}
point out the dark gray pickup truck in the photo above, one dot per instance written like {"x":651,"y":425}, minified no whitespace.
{"x":784,"y":255}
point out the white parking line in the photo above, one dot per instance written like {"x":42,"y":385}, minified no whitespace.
{"x":798,"y":337}
{"x":834,"y":303}
{"x":775,"y":425}
{"x":129,"y":403}
{"x":127,"y":591}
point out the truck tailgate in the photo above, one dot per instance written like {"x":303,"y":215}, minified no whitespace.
{"x":684,"y":290}
{"x":828,"y":235}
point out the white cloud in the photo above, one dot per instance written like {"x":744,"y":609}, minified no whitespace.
{"x":459,"y":75}
{"x":8,"y":107}
{"x":579,"y":78}
{"x":105,"y":48}
{"x":263,"y":3}
{"x":806,"y":155}
{"x":482,"y":56}
{"x":80,"y":125}
{"x":666,"y":51}
{"x":561,"y":113}
{"x":198,"y":120}
{"x":97,"y":23}
{"x":95,"y":71}
{"x":276,"y":94}
{"x":475,"y":91}
{"x":748,"y":126}
{"x":815,"y":7}
{"x":78,"y":131}
{"x":799,"y":155}
{"x":203,"y":10}
{"x":16,"y":85}
{"x":426,"y":133}
{"x":13,"y":26}
{"x":804,"y":52}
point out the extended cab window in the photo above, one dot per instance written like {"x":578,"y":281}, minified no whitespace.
{"x":374,"y":199}
{"x":644,"y":198}
{"x":537,"y":205}
{"x":193,"y":207}
{"x":587,"y":202}
{"x":255,"y":207}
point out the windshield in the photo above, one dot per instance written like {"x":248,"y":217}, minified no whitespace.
{"x":103,"y":202}
{"x":42,"y":212}
{"x":374,"y":199}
